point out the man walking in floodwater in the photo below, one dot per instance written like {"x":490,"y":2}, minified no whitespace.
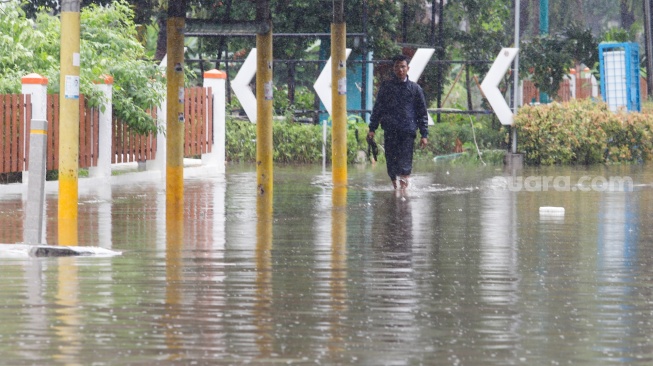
{"x":400,"y":109}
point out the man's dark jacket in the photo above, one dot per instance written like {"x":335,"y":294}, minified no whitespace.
{"x":400,"y":106}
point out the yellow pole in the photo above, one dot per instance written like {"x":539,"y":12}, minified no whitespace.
{"x":69,"y":123}
{"x":175,"y":110}
{"x":339,"y":97}
{"x":264,"y":96}
{"x":174,"y":162}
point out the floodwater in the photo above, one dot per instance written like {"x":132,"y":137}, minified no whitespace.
{"x":462,"y":269}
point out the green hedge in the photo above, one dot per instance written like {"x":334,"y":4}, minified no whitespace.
{"x":293,"y":142}
{"x":302,"y":143}
{"x":583,"y":132}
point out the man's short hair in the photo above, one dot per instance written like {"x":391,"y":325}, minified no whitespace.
{"x":399,"y":58}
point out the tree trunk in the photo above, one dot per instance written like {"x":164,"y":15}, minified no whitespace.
{"x":524,"y":7}
{"x":162,"y":40}
{"x":627,"y":15}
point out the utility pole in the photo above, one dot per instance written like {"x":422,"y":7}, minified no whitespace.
{"x":544,"y":30}
{"x":441,"y":53}
{"x":264,"y":101}
{"x":365,"y":65}
{"x":648,"y":32}
{"x":69,"y":123}
{"x":175,"y":110}
{"x":515,"y":80}
{"x":339,"y":95}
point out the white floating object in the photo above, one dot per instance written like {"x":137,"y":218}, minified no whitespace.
{"x":552,"y":211}
{"x":44,"y":250}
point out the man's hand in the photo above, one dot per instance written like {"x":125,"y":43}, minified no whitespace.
{"x":423,"y":142}
{"x":370,"y":135}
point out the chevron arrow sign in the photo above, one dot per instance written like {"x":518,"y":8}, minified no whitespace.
{"x":490,"y":85}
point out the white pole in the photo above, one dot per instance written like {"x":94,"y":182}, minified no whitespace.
{"x":37,"y":87}
{"x":516,"y":78}
{"x":34,"y":227}
{"x":217,"y":80}
{"x":324,"y":139}
{"x":103,"y":168}
{"x":159,"y":162}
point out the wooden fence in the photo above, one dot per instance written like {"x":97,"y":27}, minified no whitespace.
{"x":583,"y":90}
{"x":88,"y":133}
{"x":127,"y":146}
{"x":15,"y":118}
{"x":199,"y":121}
{"x":15,"y":109}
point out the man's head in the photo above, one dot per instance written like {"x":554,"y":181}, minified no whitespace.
{"x":400,"y":66}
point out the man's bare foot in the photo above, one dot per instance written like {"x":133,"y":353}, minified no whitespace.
{"x":394,"y":184}
{"x":403,"y":182}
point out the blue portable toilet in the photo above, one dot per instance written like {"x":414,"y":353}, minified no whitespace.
{"x":619,"y":68}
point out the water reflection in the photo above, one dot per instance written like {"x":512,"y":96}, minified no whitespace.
{"x":170,"y":322}
{"x":498,"y":270}
{"x":391,"y":295}
{"x":618,"y":236}
{"x":68,"y":318}
{"x":338,"y":278}
{"x":263,"y":301}
{"x":448,"y":274}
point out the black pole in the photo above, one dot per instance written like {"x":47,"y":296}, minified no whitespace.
{"x":291,"y":83}
{"x":223,"y":39}
{"x":433,"y":23}
{"x":468,"y":87}
{"x":226,"y":69}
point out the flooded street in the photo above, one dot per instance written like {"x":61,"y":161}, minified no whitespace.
{"x":463,"y":269}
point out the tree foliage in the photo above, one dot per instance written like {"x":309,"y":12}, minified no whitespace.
{"x":472,"y":30}
{"x":108,"y":46}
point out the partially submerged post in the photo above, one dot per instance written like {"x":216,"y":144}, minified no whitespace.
{"x":264,"y":100}
{"x":69,"y":122}
{"x":175,"y":109}
{"x":34,"y":211}
{"x":339,"y":95}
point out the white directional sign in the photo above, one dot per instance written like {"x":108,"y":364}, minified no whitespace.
{"x":240,"y":85}
{"x":490,"y":85}
{"x":417,"y":65}
{"x":322,"y":85}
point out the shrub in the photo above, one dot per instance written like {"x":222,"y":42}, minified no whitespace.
{"x":293,"y":142}
{"x":582,"y":132}
{"x":302,"y":143}
{"x":443,"y":135}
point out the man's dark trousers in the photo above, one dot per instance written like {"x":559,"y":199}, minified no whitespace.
{"x":398,"y":147}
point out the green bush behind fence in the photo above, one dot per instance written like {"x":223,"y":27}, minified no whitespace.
{"x":583,"y":132}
